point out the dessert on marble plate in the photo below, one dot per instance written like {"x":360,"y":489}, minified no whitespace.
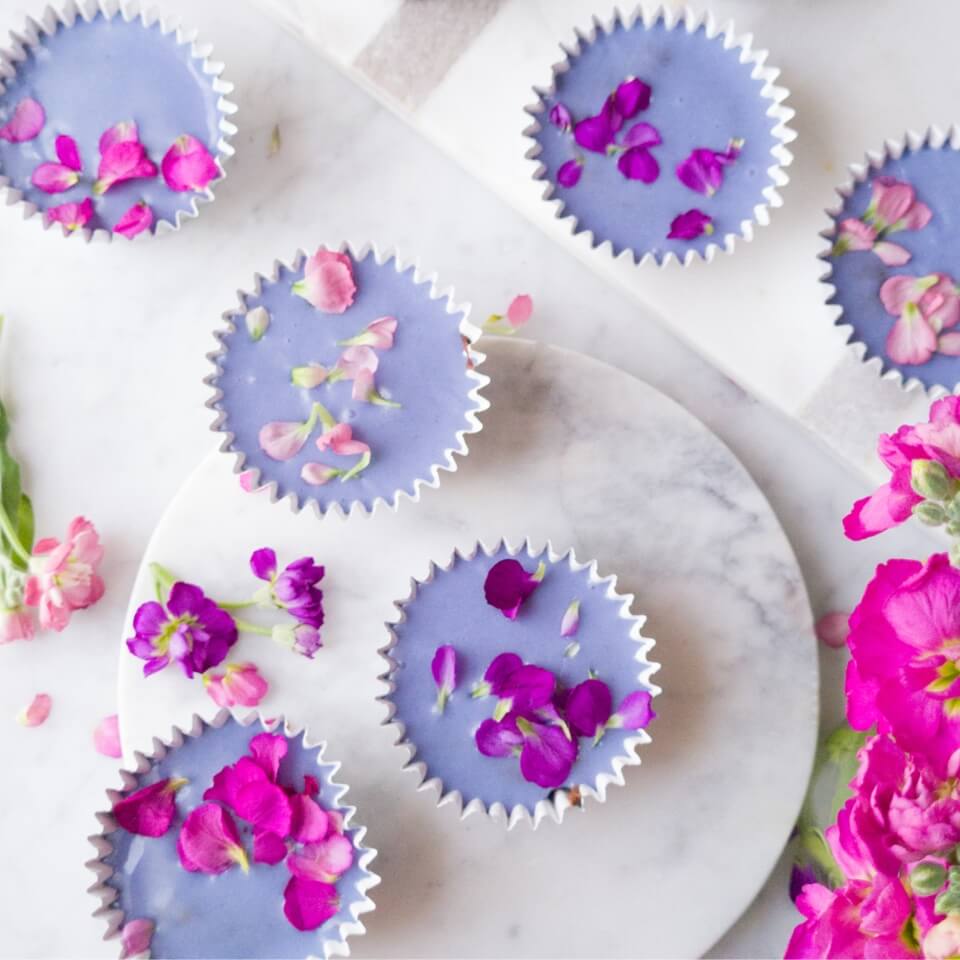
{"x":111,"y":122}
{"x":891,"y":271}
{"x":345,"y":380}
{"x":662,"y":135}
{"x":519,"y":681}
{"x":232,"y":839}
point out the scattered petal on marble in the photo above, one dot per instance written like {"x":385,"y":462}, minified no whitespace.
{"x":36,"y":712}
{"x":832,"y":629}
{"x":106,"y":737}
{"x":520,"y":310}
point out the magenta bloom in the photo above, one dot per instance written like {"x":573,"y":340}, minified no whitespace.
{"x":188,"y":165}
{"x":137,"y":219}
{"x":569,"y":173}
{"x":135,"y":937}
{"x":508,"y":584}
{"x":192,"y":631}
{"x":72,"y":216}
{"x":526,"y":690}
{"x":632,"y":96}
{"x":323,"y":861}
{"x":309,"y":822}
{"x":595,"y":133}
{"x":149,"y":811}
{"x":25,"y":124}
{"x":444,"y":670}
{"x":308,"y":904}
{"x":294,"y":590}
{"x":123,"y":160}
{"x":588,"y":708}
{"x":209,"y":842}
{"x":703,"y":169}
{"x":690,"y":225}
{"x":635,"y":711}
{"x":546,"y":753}
{"x":937,"y":440}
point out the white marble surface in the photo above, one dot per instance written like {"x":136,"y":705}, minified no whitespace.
{"x":578,"y":453}
{"x":101,"y":364}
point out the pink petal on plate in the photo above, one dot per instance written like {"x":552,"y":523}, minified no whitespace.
{"x":638,"y":163}
{"x":106,"y":737}
{"x":595,"y":133}
{"x":949,"y":343}
{"x":54,"y":178}
{"x":282,"y":439}
{"x":268,"y":848}
{"x":892,"y":254}
{"x":328,"y":283}
{"x":309,"y":822}
{"x":68,"y":153}
{"x":124,"y":132}
{"x":137,"y":219}
{"x":267,"y":750}
{"x":911,"y":340}
{"x":135,"y":937}
{"x":72,"y":216}
{"x":570,"y":622}
{"x":188,"y":165}
{"x":209,"y":842}
{"x":308,"y":904}
{"x":27,"y":121}
{"x":832,"y":629}
{"x":324,"y":861}
{"x":520,"y":310}
{"x":149,"y":811}
{"x":266,"y":806}
{"x":560,"y":116}
{"x":317,"y":474}
{"x":122,"y":161}
{"x":37,"y":712}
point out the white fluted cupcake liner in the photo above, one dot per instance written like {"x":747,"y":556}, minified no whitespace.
{"x":333,"y":945}
{"x":874,"y":160}
{"x":772,"y":93}
{"x":52,"y":18}
{"x":555,"y":804}
{"x":448,"y":461}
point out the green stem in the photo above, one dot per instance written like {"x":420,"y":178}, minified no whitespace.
{"x":252,"y":628}
{"x":7,"y":528}
{"x":319,"y":412}
{"x":238,"y":605}
{"x":357,"y":468}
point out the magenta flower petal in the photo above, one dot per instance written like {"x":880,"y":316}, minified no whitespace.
{"x":267,"y":750}
{"x":595,"y":133}
{"x":499,"y":739}
{"x":135,"y":937}
{"x":631,"y":97}
{"x":702,"y":171}
{"x":309,"y":822}
{"x":72,"y":216}
{"x":149,"y":811}
{"x":690,"y":225}
{"x":27,"y":121}
{"x":547,"y":755}
{"x":268,"y":848}
{"x":37,"y":712}
{"x":635,"y":711}
{"x":323,"y":861}
{"x":569,"y":173}
{"x":209,"y":842}
{"x":266,"y":806}
{"x":520,"y":310}
{"x":641,"y":135}
{"x":560,"y":116}
{"x":106,"y":737}
{"x":263,"y":563}
{"x":124,"y":132}
{"x":229,"y":781}
{"x":308,"y":904}
{"x":188,"y":165}
{"x":508,"y":584}
{"x":588,"y":708}
{"x":122,"y":161}
{"x":240,"y":685}
{"x":137,"y":219}
{"x":501,"y":668}
{"x":638,"y":163}
{"x":444,"y":670}
{"x":54,"y":178}
{"x":328,"y":283}
{"x":68,"y":153}
{"x":570,"y":623}
{"x":528,"y":688}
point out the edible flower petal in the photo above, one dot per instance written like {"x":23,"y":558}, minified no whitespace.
{"x":499,"y":738}
{"x":283,"y":439}
{"x":241,"y":685}
{"x":892,"y":254}
{"x":308,"y":904}
{"x":328,"y":282}
{"x":72,"y":216}
{"x":501,"y":668}
{"x":631,"y":96}
{"x":54,"y":177}
{"x":228,"y":782}
{"x":569,"y":173}
{"x":268,"y":848}
{"x":638,"y":163}
{"x":641,"y":135}
{"x":68,"y":153}
{"x":588,"y":707}
{"x":106,"y":737}
{"x":16,"y":624}
{"x":149,"y":811}
{"x":317,"y":474}
{"x":323,"y":861}
{"x":508,"y":585}
{"x":188,"y":165}
{"x":702,"y":170}
{"x":571,"y":619}
{"x":37,"y":712}
{"x":378,"y":334}
{"x":547,"y":754}
{"x":560,"y":117}
{"x":520,"y":310}
{"x":635,"y":711}
{"x":209,"y":842}
{"x":267,"y":750}
{"x":309,"y":822}
{"x":444,"y":670}
{"x":309,"y":376}
{"x":526,"y":689}
{"x":137,"y":219}
{"x":354,"y":361}
{"x":122,"y":160}
{"x":690,"y":225}
{"x":257,"y":321}
{"x":124,"y":132}
{"x":595,"y":133}
{"x":25,"y":124}
{"x":135,"y":937}
{"x":832,"y":629}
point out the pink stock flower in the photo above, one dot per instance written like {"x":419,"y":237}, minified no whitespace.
{"x":188,"y":165}
{"x":924,"y":306}
{"x":444,"y":670}
{"x":149,"y":812}
{"x":328,"y":282}
{"x":36,"y":713}
{"x":702,"y":171}
{"x":123,"y":160}
{"x":241,"y":685}
{"x":209,"y":842}
{"x":690,"y":225}
{"x":937,"y":440}
{"x":323,"y":861}
{"x":508,"y":585}
{"x":894,"y":207}
{"x":378,"y":334}
{"x":63,"y":576}
{"x":54,"y":177}
{"x":135,"y":937}
{"x":137,"y":219}
{"x":16,"y":624}
{"x":25,"y":124}
{"x":68,"y":153}
{"x":308,"y":904}
{"x":72,"y":216}
{"x":106,"y":737}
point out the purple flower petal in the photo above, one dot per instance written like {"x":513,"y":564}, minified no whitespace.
{"x":635,"y":711}
{"x":528,"y":688}
{"x":570,"y":622}
{"x":499,"y":739}
{"x":595,"y":133}
{"x":500,"y":669}
{"x":263,"y":563}
{"x":569,"y":173}
{"x":267,"y":750}
{"x":149,"y":811}
{"x":638,"y":163}
{"x":149,"y":620}
{"x":560,"y":116}
{"x":268,"y":848}
{"x":444,"y":670}
{"x":266,"y":806}
{"x":508,"y":584}
{"x":588,"y":708}
{"x":641,"y":135}
{"x":547,"y":754}
{"x":690,"y":225}
{"x":308,"y":904}
{"x":209,"y":842}
{"x":631,"y":97}
{"x":185,"y":598}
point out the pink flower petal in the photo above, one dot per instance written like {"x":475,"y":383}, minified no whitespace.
{"x":188,"y":165}
{"x":209,"y":842}
{"x":897,"y":292}
{"x":690,"y":225}
{"x":571,"y":619}
{"x":560,"y":116}
{"x":641,"y":135}
{"x":137,"y":219}
{"x":282,"y":440}
{"x":149,"y":811}
{"x":124,"y":132}
{"x":16,"y":624}
{"x":123,"y":160}
{"x":266,"y":806}
{"x":106,"y":737}
{"x":72,"y":216}
{"x":892,"y":254}
{"x":324,"y":861}
{"x":135,"y":937}
{"x":595,"y":133}
{"x":241,"y":685}
{"x":635,"y":711}
{"x":444,"y":670}
{"x":27,"y":121}
{"x":317,"y":474}
{"x":883,"y":509}
{"x":68,"y":153}
{"x":568,"y":175}
{"x":832,"y":629}
{"x":37,"y":712}
{"x":638,"y":163}
{"x":631,"y":97}
{"x":328,"y":282}
{"x":268,"y":848}
{"x":355,"y":360}
{"x":855,"y":235}
{"x":912,"y":340}
{"x":520,"y":310}
{"x":309,"y":822}
{"x":308,"y":904}
{"x":267,"y":750}
{"x":54,"y":178}
{"x":949,"y":343}
{"x":228,"y":782}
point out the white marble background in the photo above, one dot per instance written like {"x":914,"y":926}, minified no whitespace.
{"x":102,"y":360}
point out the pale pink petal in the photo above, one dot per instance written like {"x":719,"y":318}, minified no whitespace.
{"x":317,"y":474}
{"x":54,"y":178}
{"x":856,"y":235}
{"x":309,"y":376}
{"x":122,"y":161}
{"x":27,"y":121}
{"x":520,"y":310}
{"x":135,"y":937}
{"x":832,"y":629}
{"x":324,"y":861}
{"x":268,"y":848}
{"x":897,"y":292}
{"x":949,"y":343}
{"x":188,"y":165}
{"x":16,"y":624}
{"x":68,"y":153}
{"x":37,"y":712}
{"x":917,"y":217}
{"x":570,"y":622}
{"x":124,"y":132}
{"x":282,"y":440}
{"x":912,"y":340}
{"x":364,"y":386}
{"x":335,"y":436}
{"x":137,"y":219}
{"x":328,"y":282}
{"x":892,"y":199}
{"x":383,"y":332}
{"x":892,"y":254}
{"x":248,"y":481}
{"x":106,"y":737}
{"x":356,"y":360}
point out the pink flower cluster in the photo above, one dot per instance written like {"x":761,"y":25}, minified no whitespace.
{"x":186,"y":166}
{"x":287,"y":825}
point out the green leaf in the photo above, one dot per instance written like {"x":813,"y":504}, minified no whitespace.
{"x":814,"y":844}
{"x":927,"y":878}
{"x":163,"y":580}
{"x":841,"y":748}
{"x":10,"y":495}
{"x":25,"y":529}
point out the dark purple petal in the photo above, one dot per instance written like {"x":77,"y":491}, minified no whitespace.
{"x":638,"y":163}
{"x":155,"y":664}
{"x":444,"y":668}
{"x":560,"y":116}
{"x":595,"y":133}
{"x":507,"y":585}
{"x":500,"y":669}
{"x":569,"y":173}
{"x":528,"y":688}
{"x":263,"y":563}
{"x":547,"y":755}
{"x":185,"y":598}
{"x":799,"y":878}
{"x":690,"y":225}
{"x":635,"y":710}
{"x":149,"y":620}
{"x":498,"y":739}
{"x":701,"y":171}
{"x":631,"y":97}
{"x":641,"y":135}
{"x":588,"y":707}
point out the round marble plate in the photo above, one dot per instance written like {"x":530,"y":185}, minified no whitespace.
{"x":584,"y":454}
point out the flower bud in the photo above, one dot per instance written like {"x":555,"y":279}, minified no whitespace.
{"x":257,"y":321}
{"x":927,"y":878}
{"x":929,"y":513}
{"x":931,"y":480}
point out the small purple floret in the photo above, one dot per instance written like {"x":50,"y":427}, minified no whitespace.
{"x":547,"y":755}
